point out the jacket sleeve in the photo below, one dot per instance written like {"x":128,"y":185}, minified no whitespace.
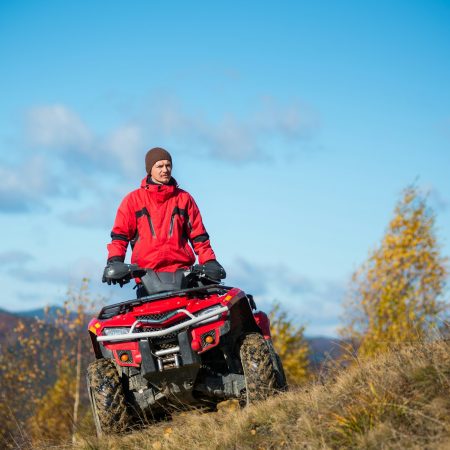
{"x":197,"y":234}
{"x":123,"y":231}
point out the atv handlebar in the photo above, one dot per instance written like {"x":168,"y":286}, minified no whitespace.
{"x":121,"y":273}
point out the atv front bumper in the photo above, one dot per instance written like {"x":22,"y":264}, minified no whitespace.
{"x":194,"y":320}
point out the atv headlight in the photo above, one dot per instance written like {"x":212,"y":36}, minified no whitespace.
{"x":115,"y":331}
{"x":206,"y":311}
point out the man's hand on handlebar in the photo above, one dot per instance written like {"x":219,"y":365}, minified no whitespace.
{"x":114,"y":281}
{"x":116,"y":272}
{"x":212,"y":269}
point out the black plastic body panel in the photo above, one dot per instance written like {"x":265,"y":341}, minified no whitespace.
{"x":148,"y":363}
{"x":188,"y":356}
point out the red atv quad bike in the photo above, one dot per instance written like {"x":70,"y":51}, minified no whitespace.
{"x":191,"y":342}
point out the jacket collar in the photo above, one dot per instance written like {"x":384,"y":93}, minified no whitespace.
{"x":161,"y":192}
{"x":147,"y":182}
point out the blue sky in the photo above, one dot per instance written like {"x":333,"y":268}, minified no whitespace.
{"x":295,"y":126}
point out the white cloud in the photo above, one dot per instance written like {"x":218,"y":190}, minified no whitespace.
{"x":314,"y":303}
{"x":26,"y":186}
{"x":64,"y":154}
{"x":233,"y":137}
{"x":59,"y":133}
{"x":58,"y":127}
{"x":96,"y":215}
{"x":232,"y":140}
{"x":69,"y":274}
{"x":293,"y":120}
{"x":126,"y":147}
{"x":15,"y":258}
{"x":230,"y":136}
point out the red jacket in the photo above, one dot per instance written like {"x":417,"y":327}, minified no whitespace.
{"x":159,"y":221}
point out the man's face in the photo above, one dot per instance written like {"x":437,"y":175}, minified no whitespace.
{"x":162,"y":171}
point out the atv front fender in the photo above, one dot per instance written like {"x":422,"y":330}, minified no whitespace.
{"x":241,"y":318}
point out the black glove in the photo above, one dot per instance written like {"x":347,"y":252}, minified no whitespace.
{"x":106,"y":278}
{"x":110,"y":269}
{"x":212,"y":269}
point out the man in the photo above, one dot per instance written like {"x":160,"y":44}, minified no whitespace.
{"x":162,"y":223}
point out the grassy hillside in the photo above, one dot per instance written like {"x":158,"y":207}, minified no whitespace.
{"x":398,"y":400}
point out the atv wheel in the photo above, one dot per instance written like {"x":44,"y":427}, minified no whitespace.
{"x":278,"y":366}
{"x":259,"y":371}
{"x":107,"y":398}
{"x":281,"y":376}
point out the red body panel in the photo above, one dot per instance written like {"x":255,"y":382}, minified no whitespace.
{"x":263,"y":323}
{"x":97,"y":326}
{"x":205,"y":329}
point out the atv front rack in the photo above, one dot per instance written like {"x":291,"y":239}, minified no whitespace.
{"x":121,"y":308}
{"x":131,"y":335}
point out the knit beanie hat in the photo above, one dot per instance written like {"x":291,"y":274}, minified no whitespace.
{"x":154,"y":155}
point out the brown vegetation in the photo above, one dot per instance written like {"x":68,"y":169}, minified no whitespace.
{"x":398,"y":400}
{"x":40,"y":370}
{"x":290,"y":344}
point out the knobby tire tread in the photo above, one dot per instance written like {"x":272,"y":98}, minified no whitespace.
{"x":259,"y":372}
{"x":108,"y":395}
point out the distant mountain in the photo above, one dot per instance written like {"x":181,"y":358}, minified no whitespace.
{"x":40,"y":313}
{"x":9,"y":321}
{"x":323,"y":348}
{"x":50,"y":314}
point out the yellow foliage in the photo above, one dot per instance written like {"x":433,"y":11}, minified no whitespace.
{"x":396,"y":294}
{"x":43,"y":351}
{"x":290,"y":344}
{"x":52,"y":421}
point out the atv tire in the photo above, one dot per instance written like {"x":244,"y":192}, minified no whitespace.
{"x":259,"y":371}
{"x":281,"y":376}
{"x":108,"y":402}
{"x":278,"y":366}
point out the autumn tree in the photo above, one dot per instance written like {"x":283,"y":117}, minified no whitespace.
{"x":290,"y":344}
{"x":52,"y":419}
{"x":397,"y":294}
{"x":46,"y":356}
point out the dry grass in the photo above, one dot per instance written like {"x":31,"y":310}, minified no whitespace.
{"x":398,"y":400}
